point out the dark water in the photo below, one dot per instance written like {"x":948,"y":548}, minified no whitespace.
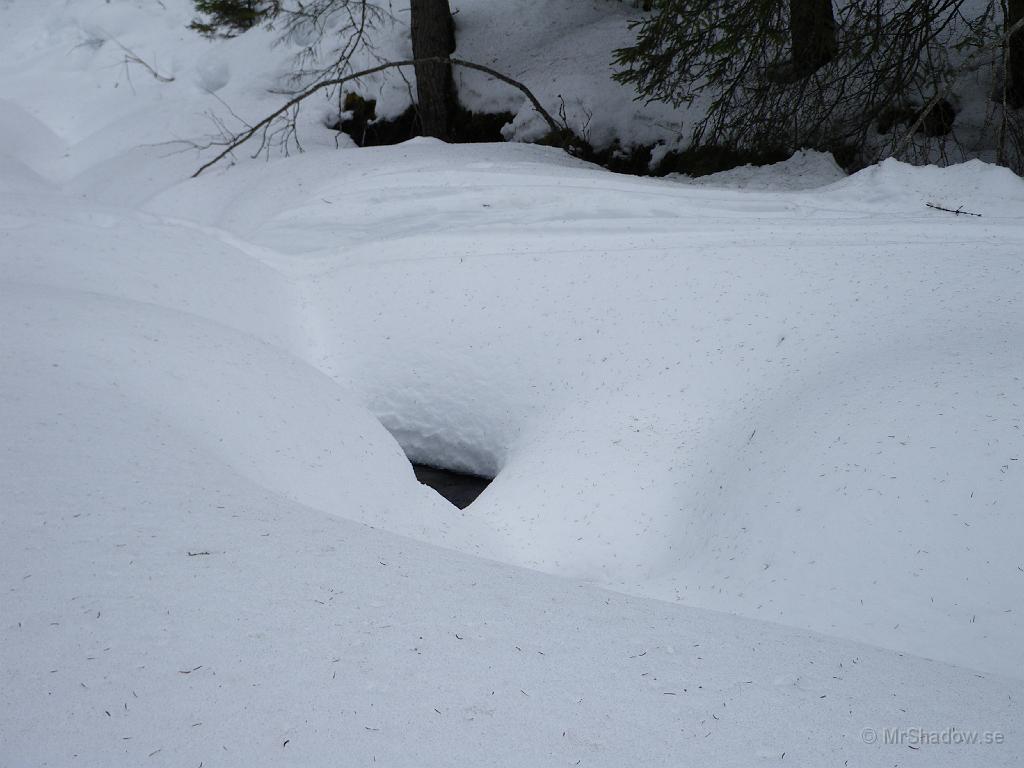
{"x":460,"y":489}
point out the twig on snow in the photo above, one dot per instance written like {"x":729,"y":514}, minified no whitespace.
{"x":958,"y":212}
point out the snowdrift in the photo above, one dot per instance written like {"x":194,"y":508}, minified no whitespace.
{"x":798,"y":403}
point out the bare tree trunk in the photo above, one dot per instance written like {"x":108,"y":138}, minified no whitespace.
{"x":433,"y":35}
{"x":1015,"y":55}
{"x":812,"y":28}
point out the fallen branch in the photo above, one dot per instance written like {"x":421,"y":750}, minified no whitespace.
{"x":263,"y":124}
{"x":131,"y":57}
{"x":959,"y":211}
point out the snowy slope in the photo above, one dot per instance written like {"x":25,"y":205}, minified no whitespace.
{"x":111,"y":51}
{"x":303,"y":639}
{"x":799,"y":407}
{"x":737,"y":400}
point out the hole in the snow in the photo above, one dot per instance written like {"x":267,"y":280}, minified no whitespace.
{"x":459,"y":488}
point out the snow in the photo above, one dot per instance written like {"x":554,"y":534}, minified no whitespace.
{"x":307,"y":640}
{"x":757,"y":439}
{"x":726,"y":398}
{"x":975,"y":186}
{"x":561,"y":50}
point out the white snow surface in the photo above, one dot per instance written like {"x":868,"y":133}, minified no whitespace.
{"x":757,"y":440}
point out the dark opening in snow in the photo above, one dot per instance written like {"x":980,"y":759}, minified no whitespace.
{"x":459,"y":488}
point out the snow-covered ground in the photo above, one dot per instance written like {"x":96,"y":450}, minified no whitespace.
{"x":757,"y":441}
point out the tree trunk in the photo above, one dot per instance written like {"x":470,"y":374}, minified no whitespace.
{"x":433,"y":34}
{"x":812,"y":29}
{"x":1015,"y":55}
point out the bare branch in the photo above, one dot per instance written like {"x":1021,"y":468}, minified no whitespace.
{"x":263,"y":125}
{"x":130,"y":57}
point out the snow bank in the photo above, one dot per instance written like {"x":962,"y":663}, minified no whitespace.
{"x":731,"y":399}
{"x":160,"y":608}
{"x":973,"y":186}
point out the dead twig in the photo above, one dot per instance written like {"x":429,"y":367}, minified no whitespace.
{"x":131,"y":57}
{"x":959,"y":211}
